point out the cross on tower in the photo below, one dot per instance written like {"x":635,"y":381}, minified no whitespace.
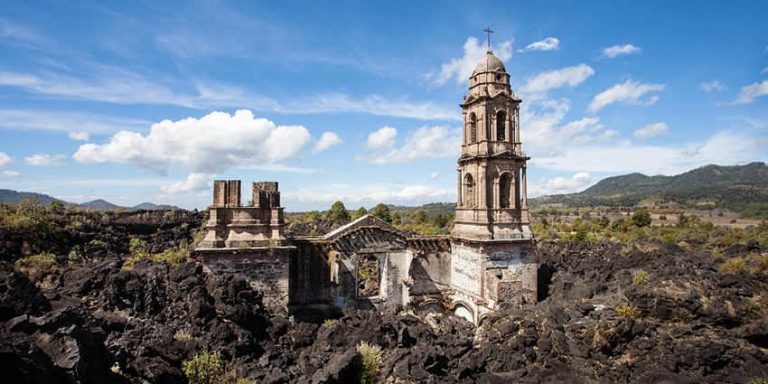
{"x":488,"y":31}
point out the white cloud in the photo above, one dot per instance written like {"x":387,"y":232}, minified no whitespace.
{"x":561,"y":184}
{"x":712,"y":86}
{"x":425,"y":142}
{"x":195,"y":182}
{"x":371,"y":194}
{"x":371,"y":104}
{"x":548,"y":44}
{"x":568,"y":76}
{"x":79,"y":136}
{"x":5,"y":159}
{"x":383,"y":137}
{"x":627,"y":92}
{"x":209,"y":144}
{"x":724,"y":148}
{"x":434,"y":175}
{"x":461,"y":68}
{"x":23,"y":119}
{"x":118,"y":86}
{"x":44,"y":159}
{"x":765,"y":70}
{"x":327,"y":140}
{"x":618,"y":50}
{"x":544,"y":133}
{"x":651,"y":130}
{"x":11,"y":174}
{"x":750,"y":92}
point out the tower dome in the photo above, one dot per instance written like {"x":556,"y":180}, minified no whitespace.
{"x":489,"y":63}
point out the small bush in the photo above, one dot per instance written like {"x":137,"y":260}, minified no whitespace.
{"x":640,"y":277}
{"x":761,"y":263}
{"x":182,"y":335}
{"x":733,"y":266}
{"x":37,"y":266}
{"x":758,"y":380}
{"x":628,"y":310}
{"x":369,"y":356}
{"x":203,"y":368}
{"x":329,"y":322}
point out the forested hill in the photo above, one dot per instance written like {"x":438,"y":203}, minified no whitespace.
{"x":741,"y":188}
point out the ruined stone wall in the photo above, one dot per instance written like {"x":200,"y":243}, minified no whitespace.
{"x":266,"y":269}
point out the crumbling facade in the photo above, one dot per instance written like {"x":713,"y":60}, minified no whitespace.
{"x":486,"y":262}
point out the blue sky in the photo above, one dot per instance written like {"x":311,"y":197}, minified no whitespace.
{"x":358,"y":101}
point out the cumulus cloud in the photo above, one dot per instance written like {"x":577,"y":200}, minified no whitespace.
{"x":561,"y":184}
{"x":724,"y":148}
{"x":327,"y":140}
{"x":383,"y":137}
{"x":459,"y":69}
{"x":568,"y":76}
{"x":425,"y":142}
{"x":628,"y":92}
{"x":750,"y":92}
{"x":79,"y":136}
{"x":195,"y":182}
{"x":712,"y":86}
{"x":651,"y":130}
{"x":209,"y":144}
{"x":545,"y":134}
{"x":11,"y":173}
{"x":44,"y":159}
{"x":620,"y":49}
{"x":5,"y":159}
{"x":548,"y":44}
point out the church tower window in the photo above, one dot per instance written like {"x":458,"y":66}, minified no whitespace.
{"x":501,"y":119}
{"x":469,"y":191}
{"x":472,"y":128}
{"x":505,"y":185}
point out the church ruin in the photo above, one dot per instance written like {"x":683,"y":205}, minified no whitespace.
{"x":486,"y":262}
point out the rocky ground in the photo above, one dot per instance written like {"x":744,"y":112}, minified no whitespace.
{"x":97,"y":323}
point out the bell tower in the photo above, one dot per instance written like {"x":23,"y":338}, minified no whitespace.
{"x":491,"y":179}
{"x":493,"y":254}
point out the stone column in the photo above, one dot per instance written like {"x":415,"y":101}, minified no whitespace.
{"x":482,"y":187}
{"x":459,"y":181}
{"x":525,"y":187}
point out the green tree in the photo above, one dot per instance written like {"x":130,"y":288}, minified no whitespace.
{"x":312,"y":216}
{"x":359,"y":213}
{"x":396,"y":219}
{"x":338,"y":212}
{"x":419,"y":216}
{"x":641,"y":218}
{"x":382,"y":212}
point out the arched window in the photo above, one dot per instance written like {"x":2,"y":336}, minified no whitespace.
{"x":469,"y":191}
{"x":472,"y":128}
{"x":501,"y":119}
{"x":505,"y":187}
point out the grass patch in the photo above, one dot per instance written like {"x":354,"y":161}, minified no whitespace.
{"x":628,"y":310}
{"x":640,"y":277}
{"x":733,"y":266}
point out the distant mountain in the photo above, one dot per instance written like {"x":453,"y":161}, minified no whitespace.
{"x":152,"y":207}
{"x":100,"y":205}
{"x":11,"y":196}
{"x":741,"y":188}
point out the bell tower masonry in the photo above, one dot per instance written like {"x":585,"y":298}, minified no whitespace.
{"x":492,"y":243}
